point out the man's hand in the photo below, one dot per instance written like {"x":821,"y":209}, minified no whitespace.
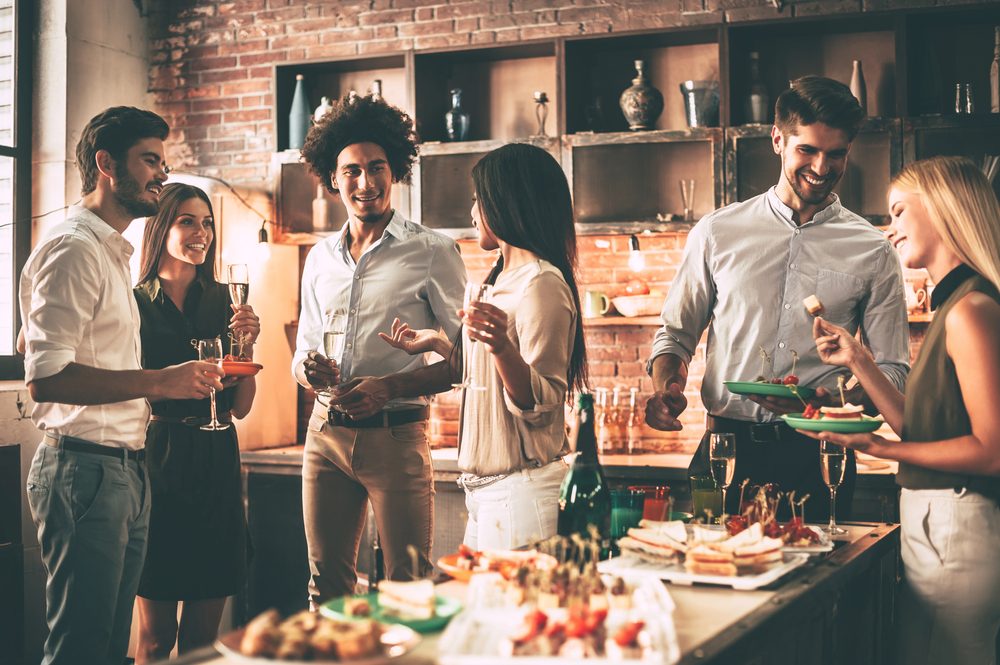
{"x":663,"y":408}
{"x":405,"y":338}
{"x":190,"y":380}
{"x":361,"y":397}
{"x":783,"y":405}
{"x":320,"y":371}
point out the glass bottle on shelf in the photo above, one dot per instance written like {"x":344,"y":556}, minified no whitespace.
{"x":321,"y":211}
{"x":758,"y":101}
{"x":970,"y":100}
{"x":618,"y":424}
{"x":456,"y":120}
{"x":959,"y":98}
{"x":601,"y":422}
{"x":858,"y":87}
{"x":634,"y":422}
{"x":584,"y":497}
{"x":995,"y":73}
{"x":377,"y":89}
{"x":299,"y":116}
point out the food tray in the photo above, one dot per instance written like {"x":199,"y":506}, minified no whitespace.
{"x":396,"y":641}
{"x":629,"y":566}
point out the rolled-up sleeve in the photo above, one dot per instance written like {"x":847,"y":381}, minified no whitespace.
{"x":546,"y":327}
{"x":689,"y":304}
{"x":59,"y":292}
{"x":446,"y":279}
{"x":884,"y":327}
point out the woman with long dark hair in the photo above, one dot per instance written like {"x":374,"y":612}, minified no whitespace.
{"x":197,"y":530}
{"x":513,"y":435}
{"x":945,"y":218}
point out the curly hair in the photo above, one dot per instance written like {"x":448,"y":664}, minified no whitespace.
{"x":361,"y":120}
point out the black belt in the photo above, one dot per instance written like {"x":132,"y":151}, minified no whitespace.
{"x":192,"y":421}
{"x":83,"y":446}
{"x":386,"y":418}
{"x":756,"y":432}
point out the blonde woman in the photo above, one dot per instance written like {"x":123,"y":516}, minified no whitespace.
{"x":945,"y":218}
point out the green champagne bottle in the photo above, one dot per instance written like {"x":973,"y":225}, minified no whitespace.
{"x":584,"y":498}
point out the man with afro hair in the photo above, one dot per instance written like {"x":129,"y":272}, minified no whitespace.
{"x":367,"y":440}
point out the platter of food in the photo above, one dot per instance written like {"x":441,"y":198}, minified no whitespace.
{"x":768,"y":389}
{"x":712,"y":571}
{"x":467,"y":562}
{"x":412,"y":604}
{"x":310,"y":638}
{"x":239,"y":366}
{"x":847,"y":419}
{"x":570,"y":616}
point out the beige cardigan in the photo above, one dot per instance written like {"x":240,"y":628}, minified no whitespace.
{"x":497,"y":436}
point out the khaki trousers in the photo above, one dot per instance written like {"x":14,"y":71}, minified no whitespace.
{"x":342,"y":470}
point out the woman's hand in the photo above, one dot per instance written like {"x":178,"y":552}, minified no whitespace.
{"x":867,"y":443}
{"x":488,"y":324}
{"x":835,"y":345}
{"x":403,"y":337}
{"x":245,"y":325}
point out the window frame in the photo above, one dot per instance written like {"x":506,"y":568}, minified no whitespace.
{"x":12,"y":366}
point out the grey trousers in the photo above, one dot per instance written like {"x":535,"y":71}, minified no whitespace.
{"x":92,"y":515}
{"x":342,"y":469}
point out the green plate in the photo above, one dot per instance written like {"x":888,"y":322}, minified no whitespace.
{"x":445,"y":609}
{"x":867,"y":424}
{"x":766,"y":389}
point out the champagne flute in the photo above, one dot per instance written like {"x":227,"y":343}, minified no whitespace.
{"x":722,"y":460}
{"x":239,"y":291}
{"x":474,"y":293}
{"x":334,"y":336}
{"x":210,"y":350}
{"x":832,"y":463}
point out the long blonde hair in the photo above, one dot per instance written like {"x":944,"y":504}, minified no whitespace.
{"x":962,"y":207}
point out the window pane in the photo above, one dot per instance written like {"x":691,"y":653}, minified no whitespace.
{"x":7,"y":72}
{"x":8,"y":288}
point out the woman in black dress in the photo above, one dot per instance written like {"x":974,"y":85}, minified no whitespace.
{"x":197,"y":547}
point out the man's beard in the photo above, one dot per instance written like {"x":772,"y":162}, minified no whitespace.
{"x":815,"y":199}
{"x":127,"y":193}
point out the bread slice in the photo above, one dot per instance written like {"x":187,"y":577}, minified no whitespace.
{"x":846,"y":412}
{"x":408,"y":600}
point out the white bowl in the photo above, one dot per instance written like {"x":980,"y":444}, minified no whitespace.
{"x":647,"y":305}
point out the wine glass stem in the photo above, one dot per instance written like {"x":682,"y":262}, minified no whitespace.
{"x":215,"y":421}
{"x":722,"y":519}
{"x":833,"y":509}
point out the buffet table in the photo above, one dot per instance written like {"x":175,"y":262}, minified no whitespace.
{"x":837,"y":608}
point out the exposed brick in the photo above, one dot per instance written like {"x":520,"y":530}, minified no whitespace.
{"x":387,"y":47}
{"x":462,"y":10}
{"x":545,"y":31}
{"x":399,"y":16}
{"x":424,"y":13}
{"x":195,"y":119}
{"x":756,"y":14}
{"x":247,"y":115}
{"x":824,"y":7}
{"x":217,"y":104}
{"x":386,"y":32}
{"x":882,"y":5}
{"x":290,"y":41}
{"x":244,"y":87}
{"x":243,"y":46}
{"x":427,"y":28}
{"x":349,"y":35}
{"x":223,"y":76}
{"x":259,"y":58}
{"x":469,"y":25}
{"x":232,"y":145}
{"x":440,"y":41}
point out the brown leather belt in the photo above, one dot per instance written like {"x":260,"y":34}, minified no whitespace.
{"x":76,"y":445}
{"x":192,"y":421}
{"x":387,"y":418}
{"x":771,"y":432}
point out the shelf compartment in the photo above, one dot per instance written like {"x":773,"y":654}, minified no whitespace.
{"x":876,"y":156}
{"x":633,"y":176}
{"x":335,"y":78}
{"x":497,"y":86}
{"x":824,"y":46}
{"x":600,"y":69}
{"x":972,"y":136}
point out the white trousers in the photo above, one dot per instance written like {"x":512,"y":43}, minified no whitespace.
{"x":516,"y":511}
{"x":949,"y":606}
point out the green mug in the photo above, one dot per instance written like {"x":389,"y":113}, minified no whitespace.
{"x":595,"y":304}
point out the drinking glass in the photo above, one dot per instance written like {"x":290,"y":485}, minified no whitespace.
{"x":239,"y":291}
{"x":334,"y":336}
{"x":210,"y":350}
{"x":474,"y":293}
{"x":722,"y":459}
{"x":656,"y":501}
{"x":706,"y":499}
{"x":626,"y":510}
{"x":832,"y":463}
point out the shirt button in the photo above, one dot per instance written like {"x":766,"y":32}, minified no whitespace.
{"x":798,"y":231}
{"x":781,"y":345}
{"x":357,"y":277}
{"x":355,"y":311}
{"x":349,"y":345}
{"x":787,"y":306}
{"x":792,"y":266}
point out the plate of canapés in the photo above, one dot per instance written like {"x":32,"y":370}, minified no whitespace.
{"x":846,"y":419}
{"x":307,"y":637}
{"x":413,"y":604}
{"x":239,"y":366}
{"x":467,"y":562}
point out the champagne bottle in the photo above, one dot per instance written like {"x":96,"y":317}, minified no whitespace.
{"x":758,"y":102}
{"x":585,"y":498}
{"x":995,"y":73}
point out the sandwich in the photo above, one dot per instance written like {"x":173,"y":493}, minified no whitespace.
{"x":846,"y":412}
{"x":706,"y":560}
{"x":758,"y":557}
{"x":813,"y":305}
{"x":407,"y":600}
{"x":653,"y":546}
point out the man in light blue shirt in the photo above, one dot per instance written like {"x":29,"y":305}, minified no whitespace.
{"x":367,"y":441}
{"x":746,"y":270}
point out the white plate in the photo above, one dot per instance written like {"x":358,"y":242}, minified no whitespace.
{"x":630,"y":566}
{"x":824,"y":544}
{"x":476,"y":635}
{"x":396,"y":641}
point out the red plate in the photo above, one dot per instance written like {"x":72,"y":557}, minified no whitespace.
{"x":236,"y":368}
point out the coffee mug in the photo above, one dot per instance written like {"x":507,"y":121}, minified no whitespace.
{"x":915,"y":299}
{"x":595,"y":304}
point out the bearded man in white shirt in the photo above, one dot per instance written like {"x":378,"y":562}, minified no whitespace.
{"x":746,"y":270}
{"x":368,"y":441}
{"x":87,"y":486}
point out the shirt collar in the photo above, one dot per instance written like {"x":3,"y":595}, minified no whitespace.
{"x":154,"y":289}
{"x":829,"y":212}
{"x":102,"y":230}
{"x":950,"y":282}
{"x":396,"y":228}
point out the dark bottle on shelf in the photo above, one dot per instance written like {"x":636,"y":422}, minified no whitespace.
{"x":995,"y":73}
{"x":299,"y":116}
{"x":456,"y":120}
{"x":758,"y":102}
{"x":585,"y":498}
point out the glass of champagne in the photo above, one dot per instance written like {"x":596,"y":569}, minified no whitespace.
{"x":722,"y":460}
{"x":239,"y":291}
{"x":474,"y":293}
{"x":210,"y":350}
{"x":334,"y":336}
{"x":832,"y":459}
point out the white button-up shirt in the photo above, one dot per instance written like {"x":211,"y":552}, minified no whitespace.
{"x":77,"y":306}
{"x":411,"y":273}
{"x":746,"y":270}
